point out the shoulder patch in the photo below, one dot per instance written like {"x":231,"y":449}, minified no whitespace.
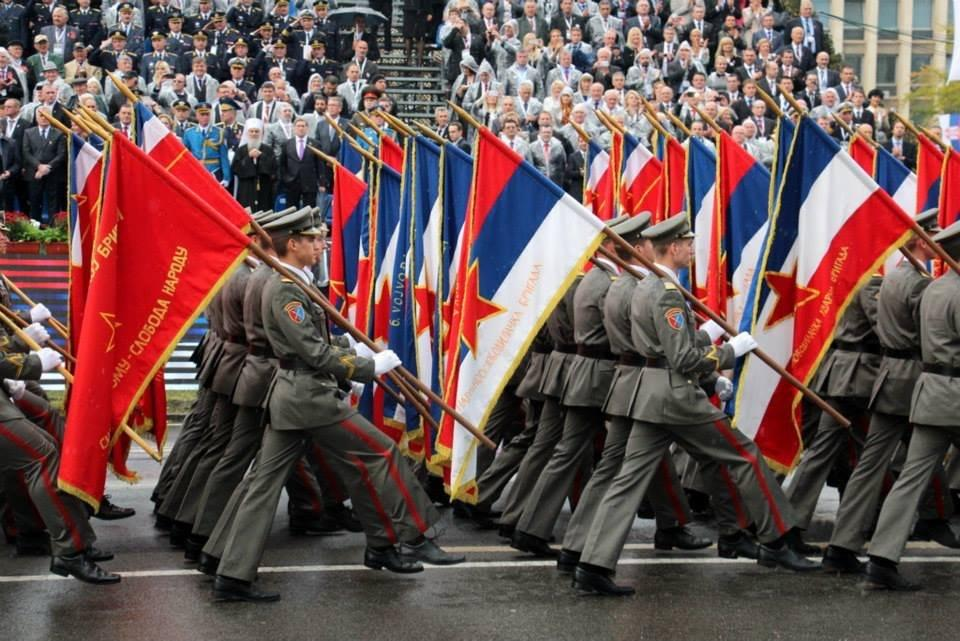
{"x":295,"y":311}
{"x":675,"y":318}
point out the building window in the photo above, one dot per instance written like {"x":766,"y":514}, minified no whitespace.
{"x":887,"y":21}
{"x":917,"y":62}
{"x":923,"y":18}
{"x":887,"y":73}
{"x":855,"y":60}
{"x":853,"y":12}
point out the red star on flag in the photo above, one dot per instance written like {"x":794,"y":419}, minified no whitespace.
{"x":790,"y":295}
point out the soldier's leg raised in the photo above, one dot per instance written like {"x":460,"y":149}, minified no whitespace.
{"x":507,"y":463}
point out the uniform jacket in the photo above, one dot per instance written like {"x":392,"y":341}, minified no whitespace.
{"x":235,"y":346}
{"x":663,"y":327}
{"x":898,"y":328}
{"x":616,"y":321}
{"x":209,"y":148}
{"x":260,"y":364}
{"x":936,"y":397}
{"x":560,"y":328}
{"x":312,"y":393}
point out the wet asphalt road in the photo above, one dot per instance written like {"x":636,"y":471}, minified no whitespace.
{"x":498,"y":594}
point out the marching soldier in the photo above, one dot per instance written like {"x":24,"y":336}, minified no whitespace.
{"x":309,"y":399}
{"x":208,"y":145}
{"x":615,"y":312}
{"x":898,"y":311}
{"x":845,"y":379}
{"x":671,"y":405}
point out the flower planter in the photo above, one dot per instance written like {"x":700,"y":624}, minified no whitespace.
{"x":38,"y":248}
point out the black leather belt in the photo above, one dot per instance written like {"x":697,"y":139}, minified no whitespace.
{"x":293,"y":363}
{"x":903,"y":354}
{"x":656,"y":363}
{"x":262,"y":352}
{"x":238,"y":339}
{"x":632,"y":359}
{"x":942,"y":370}
{"x":565,"y":349}
{"x":860,"y":348}
{"x":595,"y":352}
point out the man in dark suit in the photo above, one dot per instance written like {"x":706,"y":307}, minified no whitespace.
{"x":802,"y":54}
{"x":565,"y":19}
{"x":359,"y":32}
{"x":767,"y":32}
{"x":455,"y":134}
{"x":901,"y":148}
{"x":44,"y":160}
{"x":576,"y":166}
{"x":300,"y":168}
{"x":9,"y":172}
{"x":810,"y":94}
{"x":812,"y":28}
{"x":860,"y":114}
{"x":12,"y":128}
{"x":531,"y":22}
{"x":826,"y":77}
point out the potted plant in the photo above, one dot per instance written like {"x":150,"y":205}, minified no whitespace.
{"x":29,"y":237}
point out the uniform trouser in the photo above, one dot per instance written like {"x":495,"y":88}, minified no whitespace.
{"x":220,"y":439}
{"x":385,"y":494}
{"x":647,"y":445}
{"x":501,"y":426}
{"x":858,"y":508}
{"x":30,"y":453}
{"x":821,"y":455}
{"x":194,"y":425}
{"x":665,"y":493}
{"x":209,"y":438}
{"x":549,"y":431}
{"x":38,"y":411}
{"x":508,"y":461}
{"x":928,"y":445}
{"x":580,"y":426}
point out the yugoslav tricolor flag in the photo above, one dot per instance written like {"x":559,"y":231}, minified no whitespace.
{"x":743,"y":185}
{"x":863,"y":153}
{"x":514,"y":269}
{"x":391,"y":153}
{"x":348,"y":209}
{"x":384,"y":262}
{"x":425,"y":265}
{"x":832,"y":228}
{"x":701,"y":175}
{"x":640,"y":176}
{"x":929,"y":166}
{"x":598,"y":192}
{"x":86,"y":182}
{"x":901,"y":183}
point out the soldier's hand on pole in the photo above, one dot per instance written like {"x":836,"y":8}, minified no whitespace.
{"x":16,"y":389}
{"x":49,"y":359}
{"x":713,"y":330}
{"x":37,"y":332}
{"x":743,"y":343}
{"x":385,"y":361}
{"x":723,"y":388}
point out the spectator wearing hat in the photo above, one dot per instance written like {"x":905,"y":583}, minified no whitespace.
{"x":80,"y":65}
{"x":181,"y":118}
{"x":155,"y":18}
{"x":61,"y":35}
{"x":52,"y":77}
{"x":110,"y":50}
{"x":158,"y":41}
{"x":318,"y":62}
{"x":225,"y":115}
{"x":328,"y":28}
{"x":298,"y":38}
{"x":275,"y":56}
{"x":201,"y":20}
{"x":128,"y":26}
{"x":246,"y":17}
{"x":200,"y":49}
{"x":246,"y":90}
{"x":280,"y":17}
{"x":37,"y":61}
{"x":222,"y":36}
{"x":39,"y":14}
{"x":845,"y":112}
{"x":78,"y":87}
{"x":132,"y":82}
{"x":178,"y":40}
{"x":207,"y":143}
{"x":369,"y":103}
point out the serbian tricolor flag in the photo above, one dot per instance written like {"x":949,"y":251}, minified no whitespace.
{"x":742,"y":188}
{"x":359,"y":296}
{"x":831,"y":229}
{"x":160,"y":253}
{"x":512,"y":273}
{"x":673,"y":179}
{"x":86,"y":180}
{"x":863,"y":153}
{"x":598,"y":190}
{"x":701,"y":178}
{"x":425,"y":264}
{"x":348,"y":208}
{"x":929,"y":167}
{"x":640,"y":176}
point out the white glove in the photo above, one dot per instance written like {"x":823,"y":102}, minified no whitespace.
{"x":385,"y":361}
{"x":713,"y":330}
{"x":15,"y":388}
{"x":356,"y":389}
{"x":723,"y":388}
{"x":37,"y":333}
{"x":39,"y":313}
{"x":50,"y":359}
{"x":224,"y":182}
{"x":351,"y":341}
{"x":742,"y":343}
{"x":361,"y":350}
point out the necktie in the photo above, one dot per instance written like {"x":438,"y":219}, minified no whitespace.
{"x":546,"y":153}
{"x":300,"y":145}
{"x":43,"y":133}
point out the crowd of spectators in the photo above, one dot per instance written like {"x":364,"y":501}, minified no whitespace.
{"x":249,"y":86}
